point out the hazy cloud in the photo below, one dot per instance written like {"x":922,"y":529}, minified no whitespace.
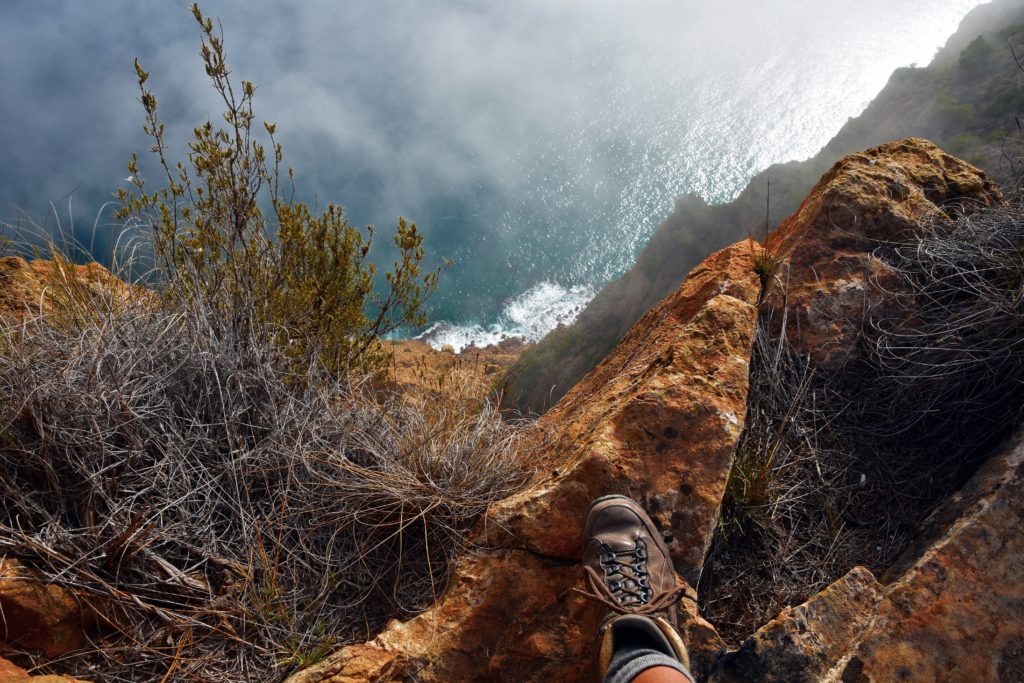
{"x":516,"y":132}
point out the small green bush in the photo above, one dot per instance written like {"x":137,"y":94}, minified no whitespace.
{"x":210,"y":464}
{"x":955,"y":113}
{"x":1007,"y":101}
{"x":226,"y":228}
{"x":964,"y":145}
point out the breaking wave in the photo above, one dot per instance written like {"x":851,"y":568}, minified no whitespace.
{"x":528,"y":316}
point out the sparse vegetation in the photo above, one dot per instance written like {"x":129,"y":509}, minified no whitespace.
{"x":765,"y":263}
{"x":978,"y":57}
{"x":955,"y":114}
{"x":226,"y":228}
{"x":838,"y":468}
{"x":211,"y":464}
{"x":169,"y":467}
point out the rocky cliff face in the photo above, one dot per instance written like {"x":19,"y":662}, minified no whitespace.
{"x":660,"y":419}
{"x":949,"y":611}
{"x":966,"y":100}
{"x":826,"y":248}
{"x":664,"y":419}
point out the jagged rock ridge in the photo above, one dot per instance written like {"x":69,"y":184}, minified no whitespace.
{"x":659,"y":419}
{"x":968,"y":105}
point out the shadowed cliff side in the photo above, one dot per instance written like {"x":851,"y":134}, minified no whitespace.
{"x":860,"y":421}
{"x":965,"y":101}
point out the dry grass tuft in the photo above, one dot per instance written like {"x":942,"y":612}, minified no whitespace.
{"x":839,"y":468}
{"x":240,"y":521}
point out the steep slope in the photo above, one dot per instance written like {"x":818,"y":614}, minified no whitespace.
{"x":839,"y":463}
{"x":661,"y":419}
{"x":658,"y":419}
{"x":965,"y":100}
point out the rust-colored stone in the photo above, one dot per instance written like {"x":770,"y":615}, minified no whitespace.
{"x":828,"y":277}
{"x":12,"y":673}
{"x":38,"y":616}
{"x":957,"y":613}
{"x":658,"y":420}
{"x":509,"y":616}
{"x":804,"y":643}
{"x":26,"y":287}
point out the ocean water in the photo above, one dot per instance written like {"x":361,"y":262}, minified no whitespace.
{"x":537,"y":144}
{"x":649,"y":118}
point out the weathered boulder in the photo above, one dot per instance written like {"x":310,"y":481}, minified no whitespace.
{"x":12,"y":673}
{"x":830,"y":282}
{"x":39,"y":616}
{"x":804,"y":643}
{"x":658,"y":420}
{"x":957,"y":612}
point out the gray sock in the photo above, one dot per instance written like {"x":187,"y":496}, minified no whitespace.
{"x":630,"y":660}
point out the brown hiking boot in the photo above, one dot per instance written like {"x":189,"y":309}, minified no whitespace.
{"x":628,"y":570}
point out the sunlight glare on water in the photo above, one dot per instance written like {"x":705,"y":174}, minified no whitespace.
{"x":536,"y":143}
{"x":652,"y":117}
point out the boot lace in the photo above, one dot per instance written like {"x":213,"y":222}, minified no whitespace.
{"x":625,"y":587}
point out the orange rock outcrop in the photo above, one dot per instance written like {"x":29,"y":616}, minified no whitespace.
{"x":28,"y":286}
{"x":825,"y":249}
{"x":12,"y":673}
{"x":39,"y":616}
{"x":659,"y":419}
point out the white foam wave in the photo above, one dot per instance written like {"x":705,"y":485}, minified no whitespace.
{"x":528,"y":316}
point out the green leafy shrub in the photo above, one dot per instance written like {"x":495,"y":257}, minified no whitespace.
{"x":226,"y":228}
{"x":1007,"y":102}
{"x":209,"y":462}
{"x":955,"y":113}
{"x":976,"y":59}
{"x":964,"y":145}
